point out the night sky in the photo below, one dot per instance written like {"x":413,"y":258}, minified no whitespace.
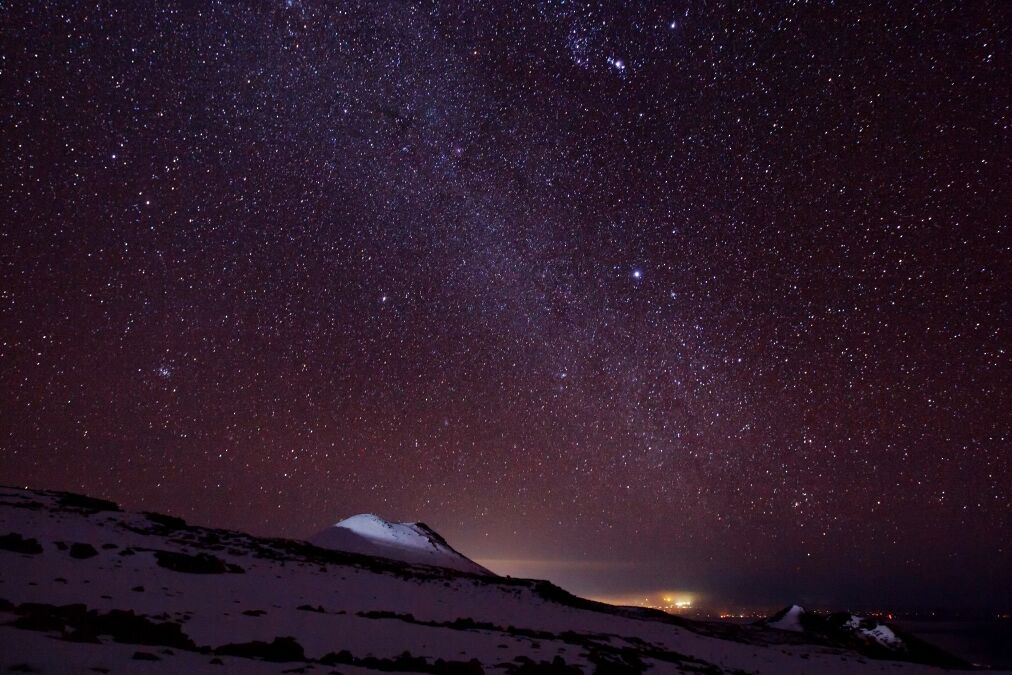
{"x":696,"y":296}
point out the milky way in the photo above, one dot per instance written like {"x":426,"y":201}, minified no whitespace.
{"x":688,"y":295}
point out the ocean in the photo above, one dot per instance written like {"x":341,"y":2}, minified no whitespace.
{"x":985,"y":642}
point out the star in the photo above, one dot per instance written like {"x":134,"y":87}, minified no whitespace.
{"x":593,"y":218}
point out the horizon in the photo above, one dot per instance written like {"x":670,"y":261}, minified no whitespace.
{"x":380,"y":596}
{"x":699,"y":300}
{"x":584,"y":578}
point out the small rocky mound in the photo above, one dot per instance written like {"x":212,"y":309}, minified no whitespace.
{"x":82,"y":551}
{"x":279,"y":650}
{"x":15,"y":543}
{"x":202,"y":563}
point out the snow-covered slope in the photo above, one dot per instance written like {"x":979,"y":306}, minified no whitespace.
{"x":86,"y":587}
{"x":409,"y":542}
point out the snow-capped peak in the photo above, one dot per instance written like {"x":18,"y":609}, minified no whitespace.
{"x":409,"y":535}
{"x":409,"y":542}
{"x":788,"y":618}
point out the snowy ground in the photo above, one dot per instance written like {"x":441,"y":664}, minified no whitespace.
{"x":194,"y":591}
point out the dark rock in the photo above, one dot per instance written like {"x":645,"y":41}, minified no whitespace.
{"x":334,"y":658}
{"x":202,"y":563}
{"x":167,"y":522}
{"x":310,"y":608}
{"x":68,"y":500}
{"x":82,"y":551}
{"x":556,"y":666}
{"x":146,"y":656}
{"x":405,"y":662}
{"x":280,"y":650}
{"x":82,"y":625}
{"x":472,"y":667}
{"x":39,"y":622}
{"x":15,"y":543}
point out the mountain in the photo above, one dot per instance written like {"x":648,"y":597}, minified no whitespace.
{"x":868,"y":635}
{"x":408,"y":542}
{"x":88,"y":587}
{"x":789,"y":618}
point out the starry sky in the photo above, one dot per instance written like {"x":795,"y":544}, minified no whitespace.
{"x":692,"y":295}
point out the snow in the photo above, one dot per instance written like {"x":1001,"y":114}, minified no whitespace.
{"x":883,"y":635}
{"x":329,"y":602}
{"x":879,"y":633}
{"x":790,"y":620}
{"x":406,"y":535}
{"x":415,"y":543}
{"x":377,"y":529}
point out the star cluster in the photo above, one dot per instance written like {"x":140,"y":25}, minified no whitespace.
{"x":686,"y":294}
